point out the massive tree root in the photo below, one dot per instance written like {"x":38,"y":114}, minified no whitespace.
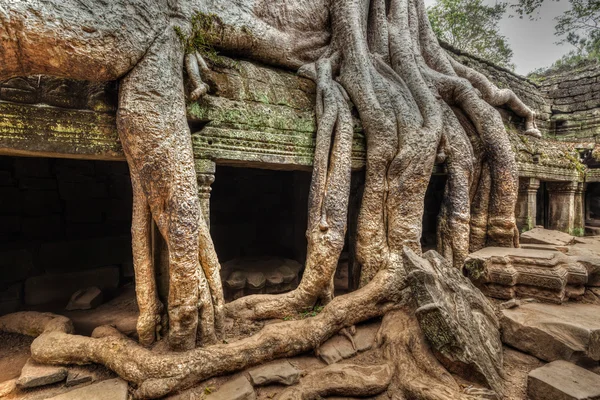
{"x":415,"y":104}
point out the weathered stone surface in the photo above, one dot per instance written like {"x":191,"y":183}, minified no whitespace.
{"x":34,"y":374}
{"x":47,"y":288}
{"x":366,"y":335}
{"x":252,"y":275}
{"x":546,"y":236}
{"x":236,"y":389}
{"x":111,"y":389}
{"x":75,"y":378}
{"x":561,"y":380}
{"x":507,"y":273}
{"x":7,"y":387}
{"x":85,"y":299}
{"x":551,"y":332}
{"x":281,"y":372}
{"x":336,"y":349}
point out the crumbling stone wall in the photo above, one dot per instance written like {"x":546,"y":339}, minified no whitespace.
{"x":64,"y":224}
{"x":575,"y":98}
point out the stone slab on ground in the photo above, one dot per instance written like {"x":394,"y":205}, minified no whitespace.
{"x":75,"y":378}
{"x":34,"y":374}
{"x":54,"y":287}
{"x":546,"y":236}
{"x":111,"y":389}
{"x":281,"y":372}
{"x":562,"y":380}
{"x":551,"y":332}
{"x":85,"y":299}
{"x":236,"y":389}
{"x":336,"y":349}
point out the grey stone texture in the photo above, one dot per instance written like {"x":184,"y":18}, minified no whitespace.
{"x":235,"y":389}
{"x":561,"y":380}
{"x":551,"y":332}
{"x":280,"y":372}
{"x":85,"y":299}
{"x":34,"y":374}
{"x":111,"y":389}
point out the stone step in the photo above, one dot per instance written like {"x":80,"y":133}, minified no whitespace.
{"x":34,"y":374}
{"x":562,"y":380}
{"x":552,"y":332}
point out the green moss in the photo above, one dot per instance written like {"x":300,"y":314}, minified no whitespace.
{"x":577,"y":232}
{"x":475,"y":269}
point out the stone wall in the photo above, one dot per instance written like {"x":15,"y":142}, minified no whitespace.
{"x":64,"y":225}
{"x":575,"y":98}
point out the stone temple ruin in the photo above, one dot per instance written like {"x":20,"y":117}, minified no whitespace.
{"x":65,"y":206}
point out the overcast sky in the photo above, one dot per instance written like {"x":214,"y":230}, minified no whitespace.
{"x":533,"y":42}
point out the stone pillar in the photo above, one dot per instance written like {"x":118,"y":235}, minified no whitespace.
{"x":562,"y":207}
{"x":205,"y":173}
{"x":579,"y":222}
{"x":527,"y":204}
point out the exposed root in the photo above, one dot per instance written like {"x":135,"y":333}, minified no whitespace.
{"x":341,"y":380}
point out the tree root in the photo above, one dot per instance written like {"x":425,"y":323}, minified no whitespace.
{"x":341,"y":380}
{"x":155,"y":375}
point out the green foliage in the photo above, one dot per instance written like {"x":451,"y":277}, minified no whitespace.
{"x":310,"y":312}
{"x":472,"y":26}
{"x":579,"y":26}
{"x":206,"y":29}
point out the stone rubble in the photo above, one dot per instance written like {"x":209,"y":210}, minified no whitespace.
{"x":85,"y":299}
{"x":235,"y":389}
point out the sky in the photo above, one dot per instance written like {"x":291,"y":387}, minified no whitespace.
{"x":533,"y":42}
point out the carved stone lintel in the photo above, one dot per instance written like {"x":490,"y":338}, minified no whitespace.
{"x":505,"y":273}
{"x":205,"y":174}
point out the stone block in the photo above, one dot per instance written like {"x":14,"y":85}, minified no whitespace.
{"x":236,"y":389}
{"x":6,"y":179}
{"x":69,"y":255}
{"x":40,"y":202}
{"x":111,"y":389}
{"x":506,"y":273}
{"x":336,"y":349}
{"x":551,"y":332}
{"x":75,"y":378}
{"x":34,"y":375}
{"x":85,"y":299}
{"x":55,"y":287}
{"x":280,"y":372}
{"x":7,"y":387}
{"x":365,"y":336}
{"x":29,"y":182}
{"x":35,"y":167}
{"x":42,"y":227}
{"x":561,"y":380}
{"x":10,"y":200}
{"x":546,"y":236}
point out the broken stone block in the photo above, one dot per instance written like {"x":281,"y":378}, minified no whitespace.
{"x":111,"y":389}
{"x":34,"y":374}
{"x":282,"y":373}
{"x":255,"y":282}
{"x":75,"y":378}
{"x":85,"y":299}
{"x":236,"y":389}
{"x":506,"y":273}
{"x":546,"y":236}
{"x":551,"y":332}
{"x":55,"y":287}
{"x":562,"y":380}
{"x":365,"y":336}
{"x":336,"y":349}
